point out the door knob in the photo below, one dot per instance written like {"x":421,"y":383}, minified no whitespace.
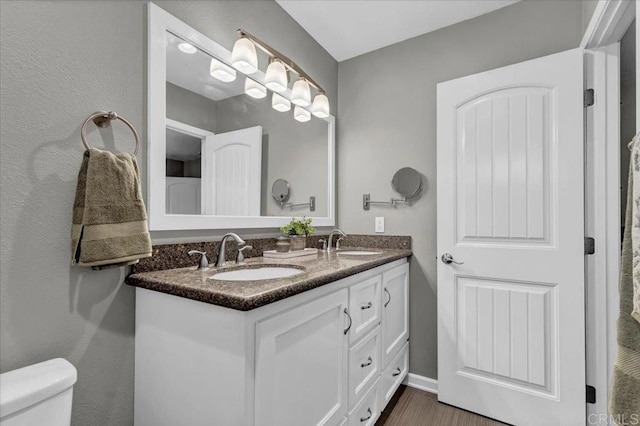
{"x":448,"y":259}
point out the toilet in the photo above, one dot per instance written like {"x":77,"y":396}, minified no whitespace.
{"x":39,"y":394}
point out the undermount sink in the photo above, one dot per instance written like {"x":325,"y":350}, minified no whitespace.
{"x":255,"y":274}
{"x":358,"y":252}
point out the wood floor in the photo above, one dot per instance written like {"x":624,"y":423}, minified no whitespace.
{"x":413,"y":407}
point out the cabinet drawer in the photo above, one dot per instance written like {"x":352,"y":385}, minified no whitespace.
{"x":368,"y":409}
{"x":394,"y":374}
{"x":364,"y":306}
{"x":364,"y":365}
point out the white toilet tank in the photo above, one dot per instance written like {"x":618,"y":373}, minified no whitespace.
{"x":39,"y":394}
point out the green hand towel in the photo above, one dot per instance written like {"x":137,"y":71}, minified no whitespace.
{"x":109,"y":225}
{"x":624,"y":405}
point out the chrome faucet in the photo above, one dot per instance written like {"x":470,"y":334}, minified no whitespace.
{"x":221,"y":260}
{"x":335,"y":231}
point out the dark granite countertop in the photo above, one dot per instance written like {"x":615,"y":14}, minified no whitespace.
{"x":246,"y":295}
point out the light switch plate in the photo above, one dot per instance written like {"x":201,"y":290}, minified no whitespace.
{"x":380,"y":224}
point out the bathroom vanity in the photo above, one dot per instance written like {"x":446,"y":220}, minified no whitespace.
{"x":328,"y":346}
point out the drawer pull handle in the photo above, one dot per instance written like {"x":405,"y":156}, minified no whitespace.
{"x":397,"y":372}
{"x":367,"y":306}
{"x":368,"y":363}
{"x":346,"y":330}
{"x":388,"y":301}
{"x":364,"y":419}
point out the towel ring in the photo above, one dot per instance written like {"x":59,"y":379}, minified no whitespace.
{"x":103,"y":119}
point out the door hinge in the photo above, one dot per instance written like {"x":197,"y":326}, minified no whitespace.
{"x":591,"y":395}
{"x":589,"y":245}
{"x":589,"y":97}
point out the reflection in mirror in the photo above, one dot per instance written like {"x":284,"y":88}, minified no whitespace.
{"x":407,"y":182}
{"x":239,"y":137}
{"x":280,"y":190}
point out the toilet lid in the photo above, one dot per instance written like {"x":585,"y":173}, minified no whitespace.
{"x":30,"y":385}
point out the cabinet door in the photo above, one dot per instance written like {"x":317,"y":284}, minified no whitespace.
{"x":395,"y":311}
{"x":301,"y":364}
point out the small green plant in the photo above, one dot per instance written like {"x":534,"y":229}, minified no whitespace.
{"x":298,"y":227}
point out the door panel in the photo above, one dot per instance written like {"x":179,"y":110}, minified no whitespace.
{"x":395,"y":311}
{"x":511,"y":208}
{"x":231,"y":167}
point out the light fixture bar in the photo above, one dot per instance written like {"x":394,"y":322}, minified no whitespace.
{"x":288,"y":63}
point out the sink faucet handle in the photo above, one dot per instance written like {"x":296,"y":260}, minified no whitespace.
{"x":204,"y":262}
{"x":324,"y":244}
{"x":241,"y":250}
{"x":338,"y":243}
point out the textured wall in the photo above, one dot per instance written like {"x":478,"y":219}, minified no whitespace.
{"x":387,"y":120}
{"x":61,"y":61}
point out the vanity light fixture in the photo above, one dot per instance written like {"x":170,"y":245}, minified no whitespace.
{"x":301,"y":114}
{"x":187,"y":48}
{"x":280,"y":103}
{"x":221,"y":71}
{"x":254,"y":89}
{"x":244,"y":57}
{"x":320,"y":106}
{"x":301,"y":93}
{"x":276,"y":75}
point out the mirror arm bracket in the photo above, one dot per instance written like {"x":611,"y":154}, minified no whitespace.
{"x":366,"y":201}
{"x":311,"y":204}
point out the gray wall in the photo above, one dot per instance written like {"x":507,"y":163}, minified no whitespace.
{"x":61,"y":61}
{"x":387,"y":120}
{"x":191,"y":108}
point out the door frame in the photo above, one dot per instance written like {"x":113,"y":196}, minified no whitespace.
{"x":609,"y":22}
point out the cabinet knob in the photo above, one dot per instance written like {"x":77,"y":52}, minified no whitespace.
{"x":364,"y":419}
{"x":367,"y":306}
{"x":397,"y":372}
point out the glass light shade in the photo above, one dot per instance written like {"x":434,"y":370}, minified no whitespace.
{"x":320,"y":106}
{"x":301,"y":93}
{"x":280,"y":103}
{"x":253,"y":89}
{"x":187,"y":48}
{"x":244,"y":57}
{"x":221,"y":71}
{"x":301,"y":114}
{"x":276,"y":77}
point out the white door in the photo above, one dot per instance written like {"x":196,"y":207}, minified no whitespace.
{"x":395,"y":312}
{"x":183,"y":195}
{"x":511,"y":333}
{"x":301,"y":364}
{"x":231,"y":170}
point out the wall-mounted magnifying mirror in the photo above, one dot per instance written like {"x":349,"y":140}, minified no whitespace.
{"x":280,"y":190}
{"x":407,"y":182}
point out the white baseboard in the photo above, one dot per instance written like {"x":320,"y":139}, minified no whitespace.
{"x":421,"y":382}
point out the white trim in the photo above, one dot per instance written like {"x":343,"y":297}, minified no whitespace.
{"x":187,"y":129}
{"x":609,"y":22}
{"x":159,"y":21}
{"x":602,"y":218}
{"x":420,"y":382}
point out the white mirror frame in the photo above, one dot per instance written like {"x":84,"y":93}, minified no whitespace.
{"x":159,"y":22}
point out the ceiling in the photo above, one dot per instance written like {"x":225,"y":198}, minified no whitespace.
{"x":348,"y":28}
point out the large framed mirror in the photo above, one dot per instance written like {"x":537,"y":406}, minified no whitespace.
{"x":215,"y":153}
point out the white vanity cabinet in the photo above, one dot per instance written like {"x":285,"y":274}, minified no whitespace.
{"x":316,"y":358}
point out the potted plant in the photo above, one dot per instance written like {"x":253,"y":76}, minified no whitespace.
{"x":298,"y":230}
